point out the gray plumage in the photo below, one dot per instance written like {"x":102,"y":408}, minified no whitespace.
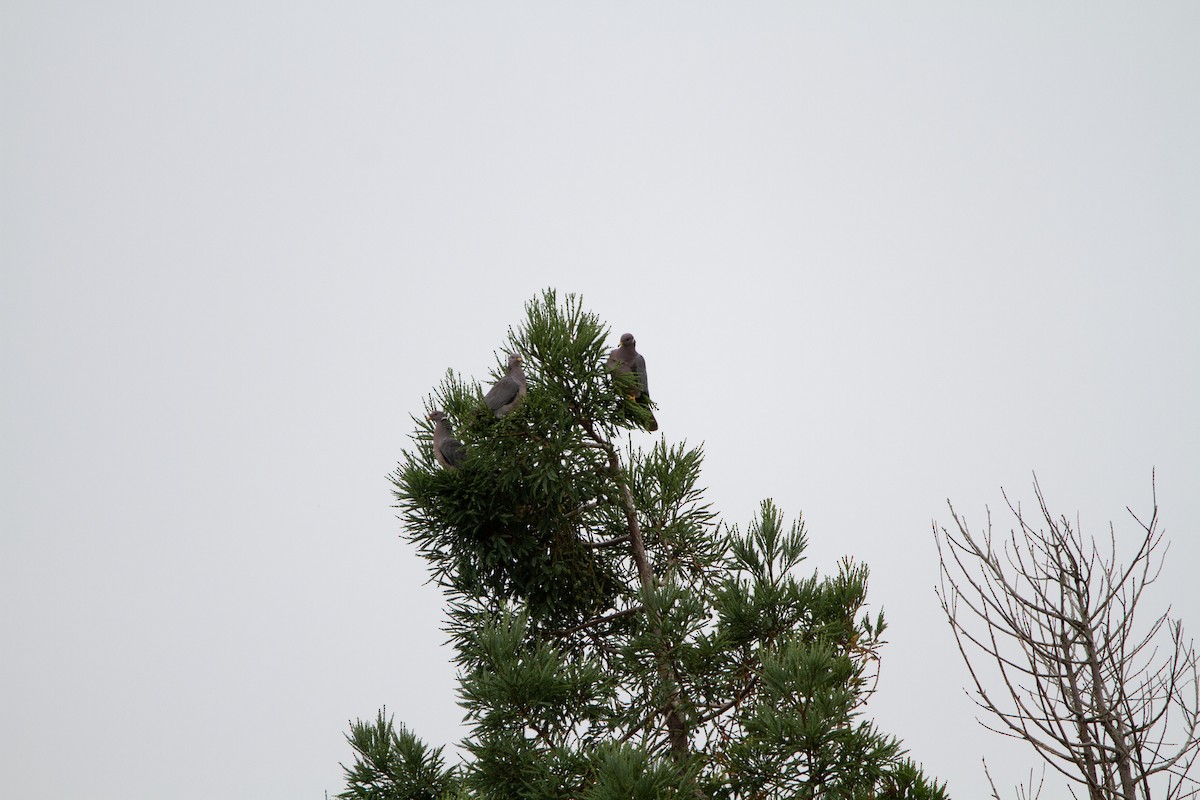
{"x":508,"y":392}
{"x":448,"y":451}
{"x":626,"y":358}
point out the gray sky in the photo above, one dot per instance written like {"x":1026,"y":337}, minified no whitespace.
{"x":876,"y":257}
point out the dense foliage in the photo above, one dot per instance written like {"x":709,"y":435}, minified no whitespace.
{"x":612,"y":639}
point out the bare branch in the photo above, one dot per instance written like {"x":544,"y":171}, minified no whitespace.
{"x":1104,"y":700}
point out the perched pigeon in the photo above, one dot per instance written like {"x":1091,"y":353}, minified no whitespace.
{"x":508,"y":392}
{"x":448,"y":451}
{"x":626,"y":358}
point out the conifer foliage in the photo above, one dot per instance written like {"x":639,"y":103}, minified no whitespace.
{"x":614,"y":641}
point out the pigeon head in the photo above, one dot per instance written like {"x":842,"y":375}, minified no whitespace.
{"x":627,"y":340}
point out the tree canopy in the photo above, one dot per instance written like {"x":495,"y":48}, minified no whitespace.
{"x":613,"y":639}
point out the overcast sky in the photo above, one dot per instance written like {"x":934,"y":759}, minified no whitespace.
{"x":875,"y":256}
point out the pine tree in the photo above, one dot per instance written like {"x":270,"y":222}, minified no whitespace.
{"x":613,"y":640}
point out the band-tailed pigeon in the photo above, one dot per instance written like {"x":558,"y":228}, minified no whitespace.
{"x":448,"y":451}
{"x":626,"y":358}
{"x":508,"y":392}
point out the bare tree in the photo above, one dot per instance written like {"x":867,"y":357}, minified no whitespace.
{"x":1044,"y":618}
